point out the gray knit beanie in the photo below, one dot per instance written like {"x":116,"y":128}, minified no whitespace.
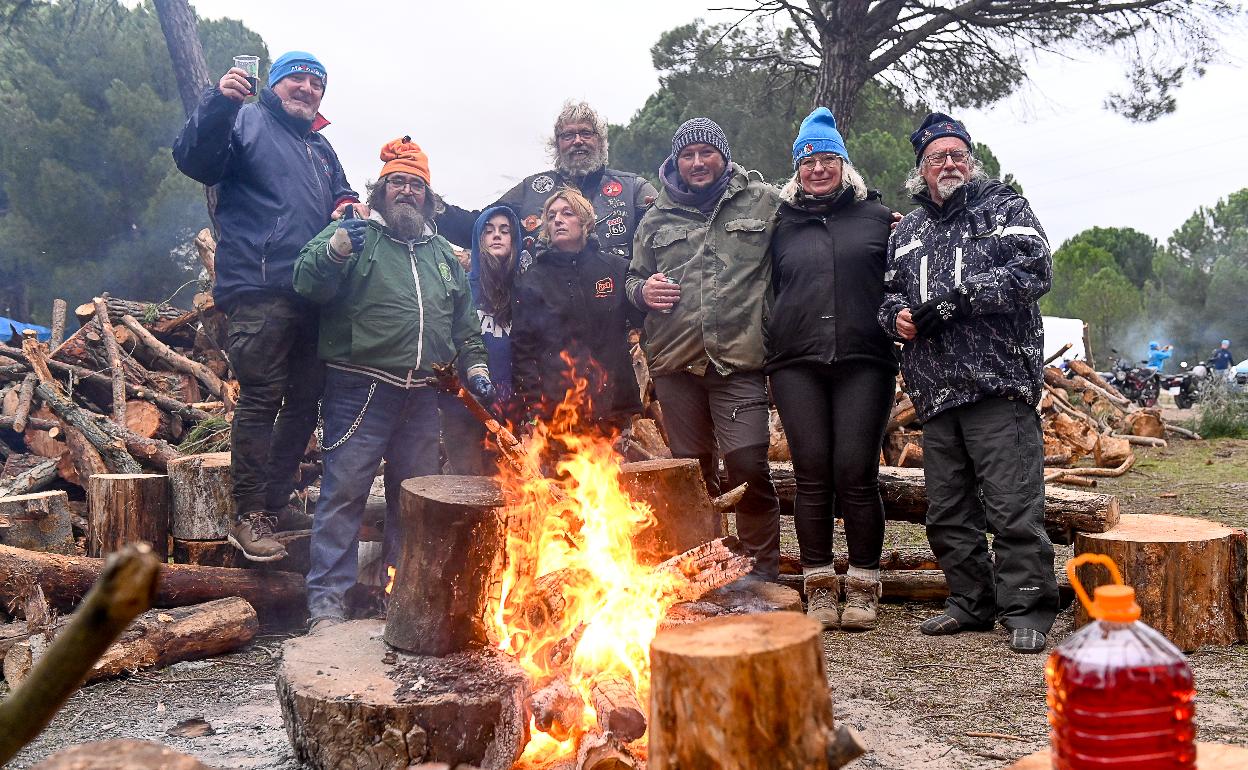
{"x":701,"y":130}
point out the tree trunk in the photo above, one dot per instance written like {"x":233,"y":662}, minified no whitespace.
{"x":201,"y":505}
{"x":1190,"y":576}
{"x":37,"y":522}
{"x":127,"y":508}
{"x":683,"y":512}
{"x":845,"y":54}
{"x":745,"y":692}
{"x":450,"y":536}
{"x":177,"y":21}
{"x":120,"y":754}
{"x":378,"y":708}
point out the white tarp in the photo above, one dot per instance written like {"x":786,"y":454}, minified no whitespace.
{"x":1059,"y":331}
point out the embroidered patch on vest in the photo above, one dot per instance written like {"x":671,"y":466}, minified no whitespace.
{"x":616,"y":226}
{"x":604,"y":287}
{"x":543,"y":184}
{"x":446,"y":271}
{"x":612,"y":189}
{"x":531,"y":222}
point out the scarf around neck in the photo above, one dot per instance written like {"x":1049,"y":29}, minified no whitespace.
{"x":702,"y":200}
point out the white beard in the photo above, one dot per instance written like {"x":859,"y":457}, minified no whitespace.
{"x":947,"y":187}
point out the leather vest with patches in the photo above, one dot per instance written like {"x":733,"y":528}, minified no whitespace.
{"x":613,"y":195}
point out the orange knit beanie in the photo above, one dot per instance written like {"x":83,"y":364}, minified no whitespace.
{"x":405,"y":155}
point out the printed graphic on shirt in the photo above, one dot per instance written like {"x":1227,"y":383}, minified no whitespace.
{"x":604,"y":287}
{"x":492,"y":327}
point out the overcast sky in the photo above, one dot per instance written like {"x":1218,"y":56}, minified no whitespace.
{"x":477,"y":85}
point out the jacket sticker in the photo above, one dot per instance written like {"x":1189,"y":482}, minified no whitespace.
{"x":616,"y":226}
{"x":446,"y":271}
{"x":526,"y":259}
{"x":612,"y":189}
{"x":543,"y":184}
{"x":531,"y":222}
{"x":604,"y":287}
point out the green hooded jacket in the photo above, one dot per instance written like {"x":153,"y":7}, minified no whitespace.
{"x":396,"y":307}
{"x":724,"y":271}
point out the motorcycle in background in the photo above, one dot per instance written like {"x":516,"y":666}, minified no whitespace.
{"x":1140,"y":384}
{"x":1185,"y":385}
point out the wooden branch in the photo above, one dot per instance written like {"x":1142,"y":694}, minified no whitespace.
{"x":112,"y":448}
{"x":36,"y":423}
{"x":24,"y":395}
{"x":1103,"y":472}
{"x":1115,"y":398}
{"x":114,"y":359}
{"x":1184,"y":432}
{"x":727,"y":500}
{"x":175,"y":360}
{"x":58,"y":323}
{"x":126,"y":588}
{"x":1141,"y":440}
{"x":1058,"y":354}
{"x":33,"y":480}
{"x":557,"y":709}
{"x":618,"y":709}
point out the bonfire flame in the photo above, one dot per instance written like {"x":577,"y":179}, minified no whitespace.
{"x":574,"y":601}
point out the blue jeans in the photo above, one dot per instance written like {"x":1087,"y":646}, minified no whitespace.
{"x":397,"y":424}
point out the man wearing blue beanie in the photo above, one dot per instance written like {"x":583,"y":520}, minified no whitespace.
{"x":278,"y":183}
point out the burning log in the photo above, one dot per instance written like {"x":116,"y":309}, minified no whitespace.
{"x":451,"y":536}
{"x":1190,"y":576}
{"x":200,"y":500}
{"x":619,"y":712}
{"x":38,"y":521}
{"x":155,"y":639}
{"x":700,"y":714}
{"x":557,"y":709}
{"x":684,"y":513}
{"x":127,"y":508}
{"x":736,"y":598}
{"x":603,"y":751}
{"x":706,"y":567}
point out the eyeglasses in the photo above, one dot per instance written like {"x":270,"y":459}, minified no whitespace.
{"x":416,"y":185}
{"x":938,"y":158}
{"x":571,"y":136}
{"x":827,"y":161}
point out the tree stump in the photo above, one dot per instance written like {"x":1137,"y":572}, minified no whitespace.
{"x":1190,"y":576}
{"x":450,"y":537}
{"x":120,"y":754}
{"x":348,"y":700}
{"x":683,"y":512}
{"x":127,"y":508}
{"x":740,"y":692}
{"x":37,"y":522}
{"x":201,"y":504}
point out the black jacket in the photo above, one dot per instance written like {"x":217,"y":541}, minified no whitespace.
{"x":828,"y":281}
{"x":277,"y":182}
{"x":987,"y":243}
{"x":574,"y":303}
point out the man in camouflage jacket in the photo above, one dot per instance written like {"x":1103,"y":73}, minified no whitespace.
{"x":965,"y":270}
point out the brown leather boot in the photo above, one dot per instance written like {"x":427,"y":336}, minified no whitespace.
{"x":823,"y":591}
{"x":253,"y":535}
{"x":862,"y":598}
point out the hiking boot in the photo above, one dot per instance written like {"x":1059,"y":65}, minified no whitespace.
{"x":291,"y":518}
{"x":862,"y":598}
{"x":323,"y":622}
{"x":1027,"y":640}
{"x":253,"y":535}
{"x":946,"y":625}
{"x":823,"y":589}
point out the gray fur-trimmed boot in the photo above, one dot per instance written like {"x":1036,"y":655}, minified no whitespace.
{"x":862,"y":599}
{"x":823,"y":590}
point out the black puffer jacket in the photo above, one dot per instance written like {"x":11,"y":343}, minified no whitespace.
{"x":986,"y":242}
{"x":828,"y":279}
{"x":574,"y":303}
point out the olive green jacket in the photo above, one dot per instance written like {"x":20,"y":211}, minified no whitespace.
{"x":724,"y":271}
{"x":394,"y":309}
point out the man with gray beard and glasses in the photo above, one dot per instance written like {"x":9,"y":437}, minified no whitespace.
{"x":965,"y":270}
{"x":579,"y":149}
{"x":394,"y":301}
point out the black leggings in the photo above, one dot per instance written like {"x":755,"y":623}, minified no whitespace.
{"x":834,"y":417}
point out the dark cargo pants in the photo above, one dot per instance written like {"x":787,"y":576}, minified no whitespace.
{"x":983,"y":465}
{"x":731,"y":412}
{"x":272,"y":350}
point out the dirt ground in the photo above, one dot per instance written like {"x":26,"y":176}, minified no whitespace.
{"x":918,"y":701}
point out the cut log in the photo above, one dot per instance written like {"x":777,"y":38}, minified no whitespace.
{"x":219,"y":553}
{"x":375,"y":707}
{"x":120,"y":754}
{"x":911,"y":456}
{"x":47,"y":442}
{"x":113,"y":354}
{"x":778,"y":442}
{"x":38,"y":522}
{"x":24,"y":395}
{"x":1082,"y":369}
{"x":557,"y":709}
{"x":201,"y":504}
{"x":903,"y":414}
{"x":1189,"y":576}
{"x":59,"y":308}
{"x":106,"y":440}
{"x":602,"y":751}
{"x":1141,"y":440}
{"x":699,"y":716}
{"x":737,"y":598}
{"x":617,"y":708}
{"x":684,"y":514}
{"x":1111,"y":452}
{"x":175,"y":360}
{"x":646,"y":432}
{"x":451,"y":534}
{"x":156,"y":639}
{"x":30,"y":480}
{"x":278,"y":597}
{"x":1147,"y":423}
{"x":127,"y":508}
{"x":150,"y":421}
{"x":147,"y":312}
{"x":80,"y":461}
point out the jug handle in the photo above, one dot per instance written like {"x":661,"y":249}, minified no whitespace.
{"x":1090,"y":558}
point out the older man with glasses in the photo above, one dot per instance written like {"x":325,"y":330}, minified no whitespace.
{"x":965,"y":270}
{"x":579,"y":149}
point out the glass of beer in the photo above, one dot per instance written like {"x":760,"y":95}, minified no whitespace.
{"x":251,"y":65}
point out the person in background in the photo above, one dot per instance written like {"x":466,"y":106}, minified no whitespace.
{"x":1223,"y":361}
{"x":1158,"y":354}
{"x":965,"y":271}
{"x":571,"y":322}
{"x":278,"y":182}
{"x":394,"y":301}
{"x":832,"y":369}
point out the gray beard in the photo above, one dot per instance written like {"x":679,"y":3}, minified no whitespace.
{"x":298,"y":109}
{"x":947,"y":187}
{"x":407,"y":221}
{"x":580,"y":167}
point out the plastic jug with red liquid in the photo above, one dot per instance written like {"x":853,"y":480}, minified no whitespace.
{"x":1120,"y":694}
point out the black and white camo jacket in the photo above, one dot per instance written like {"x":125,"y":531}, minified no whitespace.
{"x":986,"y":242}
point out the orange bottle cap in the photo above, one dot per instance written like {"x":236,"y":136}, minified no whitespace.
{"x":1115,"y":603}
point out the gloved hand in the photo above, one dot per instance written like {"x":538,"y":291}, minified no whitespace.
{"x":932,"y":315}
{"x":480,"y":386}
{"x":348,"y":239}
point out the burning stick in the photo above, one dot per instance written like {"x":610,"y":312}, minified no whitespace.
{"x":557,"y":709}
{"x":602,"y":751}
{"x":547,"y":603}
{"x":619,"y":710}
{"x":507,"y":442}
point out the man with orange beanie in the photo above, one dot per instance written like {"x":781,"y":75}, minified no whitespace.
{"x":394,"y":301}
